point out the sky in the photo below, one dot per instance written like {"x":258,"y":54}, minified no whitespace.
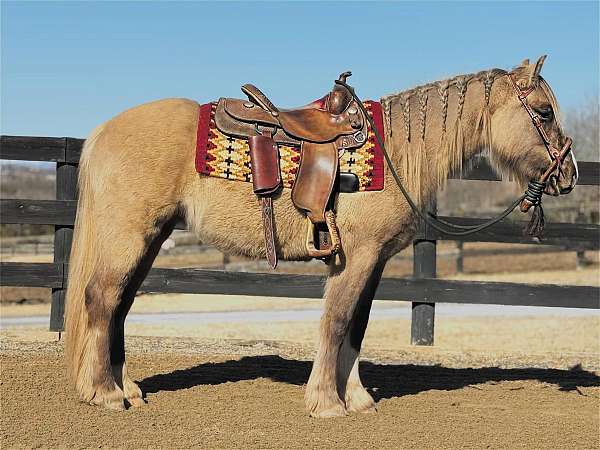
{"x":69,"y":66}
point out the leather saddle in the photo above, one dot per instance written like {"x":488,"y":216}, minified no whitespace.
{"x":321,"y":130}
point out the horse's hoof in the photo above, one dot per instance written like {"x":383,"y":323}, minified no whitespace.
{"x":113,"y":405}
{"x":133,"y":393}
{"x":359,"y":400}
{"x":369,"y":410}
{"x":112,"y":400}
{"x":137,"y":402}
{"x":327,"y":413}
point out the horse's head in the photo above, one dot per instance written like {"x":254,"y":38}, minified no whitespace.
{"x":528,"y":139}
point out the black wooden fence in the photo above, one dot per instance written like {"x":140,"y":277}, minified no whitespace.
{"x":423,"y":289}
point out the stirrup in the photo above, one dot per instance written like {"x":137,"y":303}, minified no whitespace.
{"x":334,"y":234}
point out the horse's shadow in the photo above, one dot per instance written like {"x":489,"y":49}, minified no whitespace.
{"x":382,"y":380}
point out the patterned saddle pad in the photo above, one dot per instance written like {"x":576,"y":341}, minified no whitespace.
{"x":222,"y":156}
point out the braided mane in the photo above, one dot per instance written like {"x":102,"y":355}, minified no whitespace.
{"x":437,"y":109}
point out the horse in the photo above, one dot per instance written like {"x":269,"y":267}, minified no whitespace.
{"x":137,"y":179}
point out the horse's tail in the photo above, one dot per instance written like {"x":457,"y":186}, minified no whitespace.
{"x":82,"y":265}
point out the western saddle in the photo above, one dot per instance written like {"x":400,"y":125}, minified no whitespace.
{"x":321,"y":129}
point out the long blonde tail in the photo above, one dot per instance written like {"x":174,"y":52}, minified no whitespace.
{"x":81,"y":268}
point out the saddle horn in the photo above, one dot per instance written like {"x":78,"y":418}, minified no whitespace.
{"x":339,"y":98}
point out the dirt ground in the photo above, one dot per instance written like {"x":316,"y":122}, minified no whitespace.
{"x":489,"y":382}
{"x":251,"y":396}
{"x":505,"y":378}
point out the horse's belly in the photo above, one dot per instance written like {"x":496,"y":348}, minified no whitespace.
{"x":227,"y":214}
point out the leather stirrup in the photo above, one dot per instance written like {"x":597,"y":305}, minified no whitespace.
{"x":334,"y":235}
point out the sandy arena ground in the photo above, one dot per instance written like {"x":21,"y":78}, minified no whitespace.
{"x":229,"y":372}
{"x":489,"y":382}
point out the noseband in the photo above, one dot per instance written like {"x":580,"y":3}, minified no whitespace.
{"x":535,"y":189}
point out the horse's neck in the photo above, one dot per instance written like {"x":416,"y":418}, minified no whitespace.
{"x":429,"y":138}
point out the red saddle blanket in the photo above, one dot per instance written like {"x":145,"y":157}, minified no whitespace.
{"x":219,"y":155}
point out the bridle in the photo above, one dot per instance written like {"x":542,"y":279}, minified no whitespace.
{"x":556,"y":155}
{"x":531,"y":197}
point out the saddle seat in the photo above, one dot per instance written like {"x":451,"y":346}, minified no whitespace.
{"x":321,"y":121}
{"x":334,"y":102}
{"x":321,"y":129}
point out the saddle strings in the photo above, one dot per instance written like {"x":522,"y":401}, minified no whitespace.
{"x":452,"y":229}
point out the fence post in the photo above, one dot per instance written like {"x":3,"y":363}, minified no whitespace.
{"x":459,"y":257}
{"x":66,"y":189}
{"x":424,"y":266}
{"x":581,"y":261}
{"x":226,"y":260}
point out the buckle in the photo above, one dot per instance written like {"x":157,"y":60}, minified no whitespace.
{"x":360,"y":137}
{"x":273,"y":130}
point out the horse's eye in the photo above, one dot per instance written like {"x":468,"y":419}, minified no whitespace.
{"x":546,"y":114}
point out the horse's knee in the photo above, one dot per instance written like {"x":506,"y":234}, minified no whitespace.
{"x":335,"y":324}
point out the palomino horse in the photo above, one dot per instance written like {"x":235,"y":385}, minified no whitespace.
{"x":137,"y":176}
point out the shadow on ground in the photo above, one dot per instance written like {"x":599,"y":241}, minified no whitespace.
{"x":382,"y":380}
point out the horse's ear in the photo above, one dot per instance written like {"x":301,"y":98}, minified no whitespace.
{"x":526,"y":74}
{"x":535,"y":73}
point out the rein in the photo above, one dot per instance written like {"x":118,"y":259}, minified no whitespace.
{"x":531,"y":197}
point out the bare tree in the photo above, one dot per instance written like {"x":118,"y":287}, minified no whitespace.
{"x":582,"y":125}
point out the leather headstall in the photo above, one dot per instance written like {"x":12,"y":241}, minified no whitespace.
{"x":536,"y":187}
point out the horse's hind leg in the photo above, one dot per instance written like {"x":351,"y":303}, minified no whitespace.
{"x":95,"y":382}
{"x":342,"y":293}
{"x":349,"y":385}
{"x":131,"y":391}
{"x":121,"y":266}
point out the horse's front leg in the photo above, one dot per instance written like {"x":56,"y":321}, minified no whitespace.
{"x":349,"y":385}
{"x":342,"y":293}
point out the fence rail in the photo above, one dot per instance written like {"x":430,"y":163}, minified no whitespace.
{"x":423,"y":290}
{"x":62,"y":212}
{"x":191,"y":281}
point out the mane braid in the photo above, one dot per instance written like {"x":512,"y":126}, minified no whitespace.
{"x":456,"y":144}
{"x":443,"y":158}
{"x":405,"y":101}
{"x":484,"y":122}
{"x":442,"y":90}
{"x":404,"y":156}
{"x":387,"y":109}
{"x":422,"y":95}
{"x":420,"y":157}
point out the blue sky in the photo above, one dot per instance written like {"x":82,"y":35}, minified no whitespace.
{"x":68,"y":66}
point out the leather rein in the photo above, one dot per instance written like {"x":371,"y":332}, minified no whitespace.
{"x":531,"y":197}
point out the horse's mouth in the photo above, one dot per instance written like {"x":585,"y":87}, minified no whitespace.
{"x":552,"y":187}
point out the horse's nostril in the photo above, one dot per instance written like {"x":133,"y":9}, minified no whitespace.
{"x":566,"y":190}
